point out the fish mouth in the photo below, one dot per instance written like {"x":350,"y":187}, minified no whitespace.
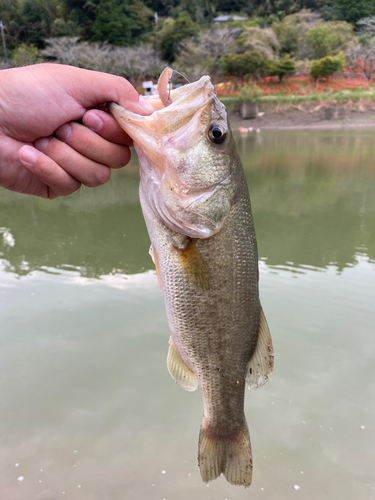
{"x":182,"y":115}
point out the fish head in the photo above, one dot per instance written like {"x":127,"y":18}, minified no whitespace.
{"x":185,"y":152}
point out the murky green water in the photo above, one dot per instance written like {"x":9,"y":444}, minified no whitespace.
{"x":88,"y":410}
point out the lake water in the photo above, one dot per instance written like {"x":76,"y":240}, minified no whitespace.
{"x":88,"y":410}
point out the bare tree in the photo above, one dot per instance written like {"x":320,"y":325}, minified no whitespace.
{"x":367,"y":26}
{"x":216,"y":42}
{"x":133,"y":63}
{"x":261,"y":39}
{"x":363,"y":57}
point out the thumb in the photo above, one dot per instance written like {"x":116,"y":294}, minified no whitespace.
{"x":97,"y":88}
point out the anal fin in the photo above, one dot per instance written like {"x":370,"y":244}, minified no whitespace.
{"x":179,"y":371}
{"x":260,"y":366}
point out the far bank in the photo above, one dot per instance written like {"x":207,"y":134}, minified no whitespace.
{"x":324,"y":114}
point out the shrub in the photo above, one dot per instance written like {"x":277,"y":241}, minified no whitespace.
{"x":24,"y":55}
{"x":251,"y":63}
{"x":285,"y":66}
{"x":250,"y":93}
{"x":327,"y":66}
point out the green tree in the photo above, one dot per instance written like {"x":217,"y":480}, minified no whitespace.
{"x":24,"y":55}
{"x":327,"y":39}
{"x":81,"y":13}
{"x":28,"y":21}
{"x":113,"y":23}
{"x":143,"y":20}
{"x":354,"y":10}
{"x":291,"y":33}
{"x":173,"y":32}
{"x":249,"y":63}
{"x":327,"y":66}
{"x":285,"y":66}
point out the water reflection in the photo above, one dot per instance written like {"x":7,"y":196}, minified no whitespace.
{"x":313,"y":197}
{"x":97,"y":232}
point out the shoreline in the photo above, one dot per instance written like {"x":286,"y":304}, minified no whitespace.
{"x":307,"y":116}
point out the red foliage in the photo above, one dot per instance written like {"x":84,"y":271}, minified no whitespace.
{"x":295,"y":85}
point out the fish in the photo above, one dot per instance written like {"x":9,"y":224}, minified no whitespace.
{"x":196,"y":206}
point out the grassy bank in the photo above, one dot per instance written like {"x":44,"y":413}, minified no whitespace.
{"x":321,"y":96}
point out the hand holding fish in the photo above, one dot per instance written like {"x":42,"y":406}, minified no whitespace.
{"x":54,"y":131}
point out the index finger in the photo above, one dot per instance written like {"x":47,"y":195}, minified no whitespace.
{"x":106,"y":126}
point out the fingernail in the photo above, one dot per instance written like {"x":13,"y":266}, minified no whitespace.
{"x":92,"y":120}
{"x":145,"y":105}
{"x":63,"y":132}
{"x":41,"y":144}
{"x":28,"y":156}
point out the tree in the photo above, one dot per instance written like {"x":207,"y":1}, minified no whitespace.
{"x":367,"y":26}
{"x":329,"y":38}
{"x":133,"y":63}
{"x":80,"y":13}
{"x":143,"y":18}
{"x":327,"y":66}
{"x":201,"y":55}
{"x":249,"y":63}
{"x":362,"y":57}
{"x":291,"y":33}
{"x":354,"y":10}
{"x":285,"y":66}
{"x":260,"y":39}
{"x":112,"y":22}
{"x":173,"y":32}
{"x":28,"y":21}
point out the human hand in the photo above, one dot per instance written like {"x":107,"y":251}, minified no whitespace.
{"x":45,"y":99}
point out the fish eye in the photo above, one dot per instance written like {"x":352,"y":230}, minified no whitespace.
{"x":217,"y":133}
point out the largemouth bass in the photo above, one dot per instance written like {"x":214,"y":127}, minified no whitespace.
{"x":196,"y":205}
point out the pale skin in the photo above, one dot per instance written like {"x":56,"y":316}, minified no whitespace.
{"x":55,"y":133}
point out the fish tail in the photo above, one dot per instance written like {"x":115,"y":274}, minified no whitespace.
{"x":230,"y":456}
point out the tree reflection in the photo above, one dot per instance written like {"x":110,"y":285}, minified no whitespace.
{"x":312,"y":193}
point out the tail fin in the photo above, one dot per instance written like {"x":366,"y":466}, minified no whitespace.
{"x":230,"y":456}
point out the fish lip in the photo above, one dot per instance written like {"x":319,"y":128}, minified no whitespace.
{"x":118,"y":112}
{"x":181,"y":94}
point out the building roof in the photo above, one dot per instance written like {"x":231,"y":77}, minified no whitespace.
{"x":225,"y":19}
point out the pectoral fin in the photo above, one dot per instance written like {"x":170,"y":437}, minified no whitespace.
{"x":194,"y":266}
{"x":155,"y":260}
{"x":260,"y":366}
{"x":179,"y":371}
